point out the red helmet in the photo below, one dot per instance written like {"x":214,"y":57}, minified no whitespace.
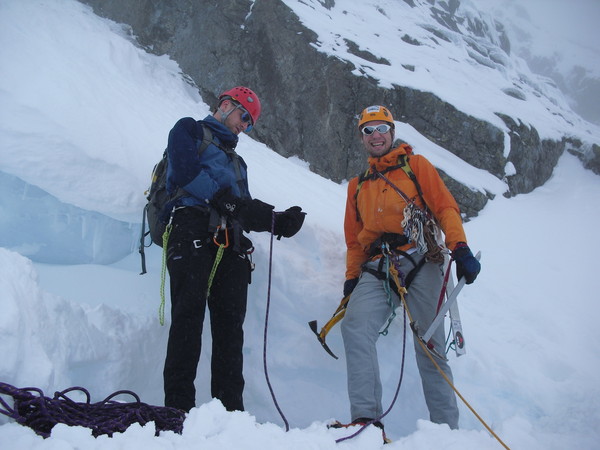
{"x":245,"y":97}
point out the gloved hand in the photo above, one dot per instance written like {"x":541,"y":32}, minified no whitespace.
{"x":252,"y":214}
{"x":349,"y":286}
{"x":228,"y":204}
{"x":288,"y":222}
{"x":257,"y":216}
{"x":466,"y":264}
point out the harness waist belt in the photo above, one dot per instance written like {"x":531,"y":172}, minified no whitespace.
{"x":393,"y":240}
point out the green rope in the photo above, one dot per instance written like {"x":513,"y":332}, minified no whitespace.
{"x":214,"y":268}
{"x":163,"y":274}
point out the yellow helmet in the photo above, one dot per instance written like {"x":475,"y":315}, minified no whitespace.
{"x":375,"y":112}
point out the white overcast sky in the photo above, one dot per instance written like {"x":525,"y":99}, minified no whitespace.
{"x":555,"y":25}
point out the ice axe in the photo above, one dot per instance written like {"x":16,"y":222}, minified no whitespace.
{"x":337,"y":316}
{"x":439,"y":318}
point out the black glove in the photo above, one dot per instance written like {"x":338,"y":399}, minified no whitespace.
{"x":256,"y":216}
{"x":466,"y":264}
{"x":252,"y":214}
{"x":228,"y":204}
{"x":288,"y":222}
{"x":349,"y":286}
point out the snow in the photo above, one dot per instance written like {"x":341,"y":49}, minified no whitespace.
{"x":459,"y":69}
{"x":84,"y":117}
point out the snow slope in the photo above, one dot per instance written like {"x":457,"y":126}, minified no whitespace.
{"x":84,"y":116}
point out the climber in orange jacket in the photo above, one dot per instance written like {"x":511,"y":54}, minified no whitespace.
{"x":386,"y":209}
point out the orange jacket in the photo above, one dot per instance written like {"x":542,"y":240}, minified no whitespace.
{"x":381,"y":208}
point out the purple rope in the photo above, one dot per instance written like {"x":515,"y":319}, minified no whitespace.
{"x":287,"y":426}
{"x":31,"y":408}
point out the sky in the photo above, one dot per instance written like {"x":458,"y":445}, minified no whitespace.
{"x":84,"y":117}
{"x":559,"y":39}
{"x":573,"y":20}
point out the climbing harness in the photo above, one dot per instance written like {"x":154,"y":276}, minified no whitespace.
{"x":216,"y":223}
{"x":31,"y":408}
{"x":382,"y":275}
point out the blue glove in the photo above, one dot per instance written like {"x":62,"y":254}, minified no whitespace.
{"x":466,"y":264}
{"x":349,"y":286}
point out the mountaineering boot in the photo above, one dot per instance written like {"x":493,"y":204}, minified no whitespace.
{"x":360,"y":422}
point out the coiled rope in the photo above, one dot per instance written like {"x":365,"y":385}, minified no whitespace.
{"x":31,"y":408}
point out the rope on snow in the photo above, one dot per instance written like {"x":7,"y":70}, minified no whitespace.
{"x":31,"y":408}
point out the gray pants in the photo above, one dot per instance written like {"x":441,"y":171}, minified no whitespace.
{"x":367,"y":312}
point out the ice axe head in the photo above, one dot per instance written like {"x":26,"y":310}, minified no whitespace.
{"x":313,"y":326}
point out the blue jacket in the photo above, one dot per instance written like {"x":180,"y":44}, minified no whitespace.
{"x":202,"y":176}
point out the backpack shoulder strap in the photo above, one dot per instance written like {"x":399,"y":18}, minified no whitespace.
{"x":206,"y":139}
{"x":361,"y":179}
{"x":403,"y":162}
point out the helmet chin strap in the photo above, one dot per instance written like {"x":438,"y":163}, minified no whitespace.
{"x":224,"y":115}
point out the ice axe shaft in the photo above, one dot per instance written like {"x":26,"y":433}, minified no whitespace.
{"x":439,"y":318}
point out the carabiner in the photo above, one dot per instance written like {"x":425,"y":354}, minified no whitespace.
{"x":226,"y":237}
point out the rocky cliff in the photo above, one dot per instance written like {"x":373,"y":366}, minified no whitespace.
{"x":310,"y":99}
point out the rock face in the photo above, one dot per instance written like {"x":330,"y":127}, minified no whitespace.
{"x":310,"y":100}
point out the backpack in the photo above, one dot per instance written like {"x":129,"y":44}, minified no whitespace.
{"x":157,"y":197}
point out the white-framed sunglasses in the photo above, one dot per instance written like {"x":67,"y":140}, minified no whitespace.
{"x":370,"y":129}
